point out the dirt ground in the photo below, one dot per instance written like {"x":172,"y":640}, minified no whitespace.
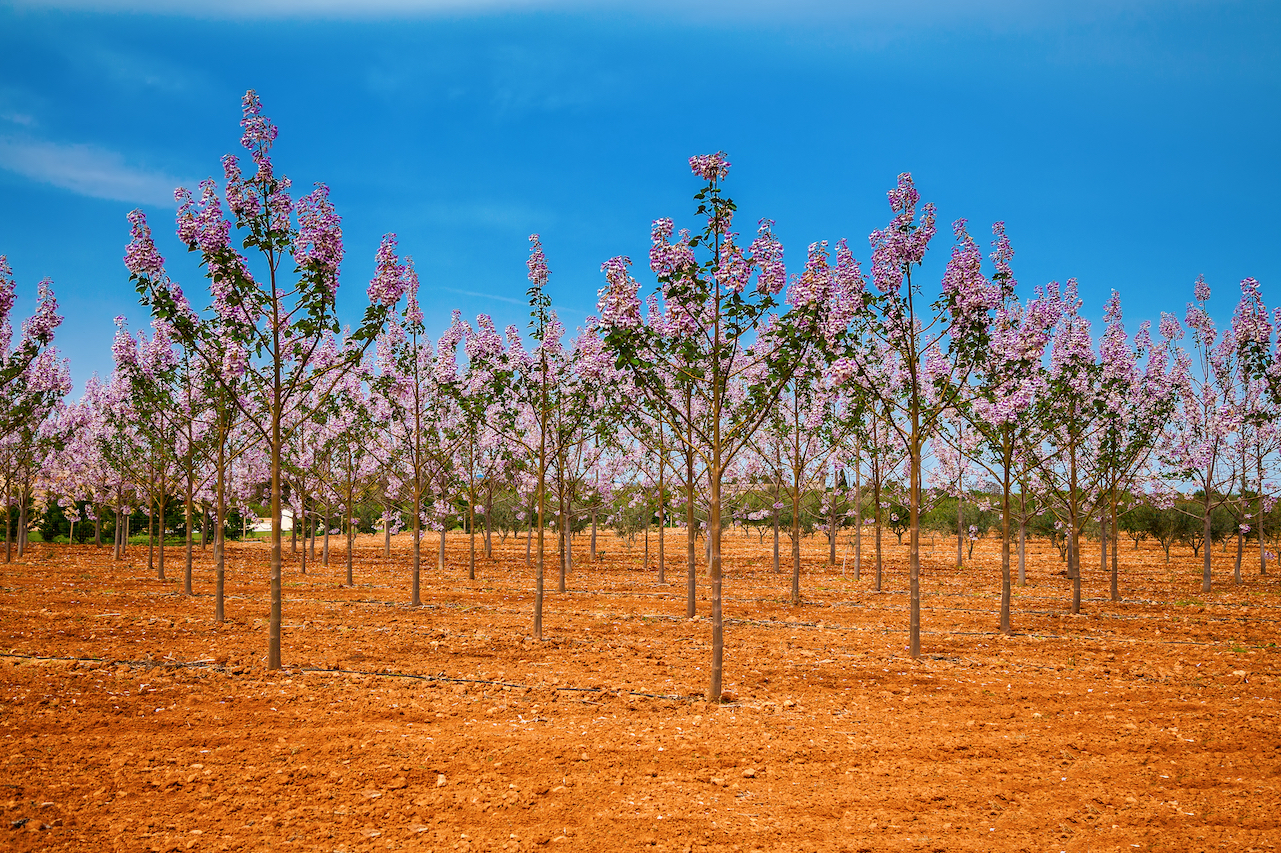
{"x":130,"y":721}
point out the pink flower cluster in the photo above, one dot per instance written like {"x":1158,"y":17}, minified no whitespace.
{"x":710,"y":167}
{"x":903,"y":243}
{"x":141,"y":257}
{"x":389,"y":282}
{"x":537,"y":263}
{"x":319,"y":243}
{"x":617,"y":301}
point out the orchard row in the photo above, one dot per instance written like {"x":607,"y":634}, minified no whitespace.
{"x":734,"y":390}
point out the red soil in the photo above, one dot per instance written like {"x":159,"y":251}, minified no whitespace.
{"x":1147,"y":724}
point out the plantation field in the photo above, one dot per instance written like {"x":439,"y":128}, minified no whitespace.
{"x":131,"y":722}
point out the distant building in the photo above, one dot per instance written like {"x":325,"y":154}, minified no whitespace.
{"x":286,"y":523}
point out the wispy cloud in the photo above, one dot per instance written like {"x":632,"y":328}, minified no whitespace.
{"x":724,"y":12}
{"x":483,"y":295}
{"x":86,"y":170}
{"x":239,"y":9}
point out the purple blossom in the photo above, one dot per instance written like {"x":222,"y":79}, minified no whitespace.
{"x":40,"y":325}
{"x":903,"y":243}
{"x":710,"y":167}
{"x":617,"y":301}
{"x":767,"y":257}
{"x":1201,"y":290}
{"x":241,"y":196}
{"x":388,"y":283}
{"x":259,"y":134}
{"x":413,"y":312}
{"x":8,"y":289}
{"x":537,"y":263}
{"x":141,"y":257}
{"x":319,"y":243}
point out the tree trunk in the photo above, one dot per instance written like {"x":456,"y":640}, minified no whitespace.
{"x":960,"y":527}
{"x":796,"y":536}
{"x":151,"y":540}
{"x":1022,"y":535}
{"x":777,"y":567}
{"x":858,"y":518}
{"x":662,"y":507}
{"x":219,"y":537}
{"x":831,"y":524}
{"x":876,"y":522}
{"x":329,"y":511}
{"x":190,"y":520}
{"x":1007,"y":451}
{"x":1206,"y":531}
{"x":690,"y":580}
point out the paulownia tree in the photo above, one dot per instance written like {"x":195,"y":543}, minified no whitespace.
{"x":710,"y":334}
{"x":271,"y":327}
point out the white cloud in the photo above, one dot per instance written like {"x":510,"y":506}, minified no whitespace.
{"x":240,"y":9}
{"x":87,"y":170}
{"x":727,"y":12}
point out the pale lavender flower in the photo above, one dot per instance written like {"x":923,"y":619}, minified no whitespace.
{"x":710,"y":167}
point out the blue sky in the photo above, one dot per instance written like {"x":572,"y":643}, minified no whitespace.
{"x":1132,"y":145}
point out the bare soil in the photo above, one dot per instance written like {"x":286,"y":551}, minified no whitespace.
{"x":130,"y":721}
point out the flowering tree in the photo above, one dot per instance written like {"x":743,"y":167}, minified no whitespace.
{"x":1200,"y":446}
{"x":708,"y":331}
{"x":26,"y":381}
{"x":1005,"y":384}
{"x":913,"y":361}
{"x":269,"y":331}
{"x":1260,"y":366}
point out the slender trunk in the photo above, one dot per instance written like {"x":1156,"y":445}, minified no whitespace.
{"x":714,"y":691}
{"x":151,"y":540}
{"x":690,"y":580}
{"x":489,"y":525}
{"x":351,"y":544}
{"x":416,"y":530}
{"x":645,"y":526}
{"x":542,"y":497}
{"x":831,"y":523}
{"x":218,"y":537}
{"x":662,"y":507}
{"x":1236,"y":573}
{"x":914,"y":552}
{"x":1206,"y":532}
{"x":796,"y":535}
{"x":593,"y":547}
{"x":1263,"y":554}
{"x":562,"y":531}
{"x":329,"y":511}
{"x":858,"y":517}
{"x":97,"y":528}
{"x":876,"y":521}
{"x":304,"y":518}
{"x":160,"y":535}
{"x":23,"y":503}
{"x":471,"y":508}
{"x":1022,"y":535}
{"x":960,"y":526}
{"x":190,"y":520}
{"x":277,"y":508}
{"x":1007,"y":452}
{"x":778,"y":493}
{"x":1103,"y":542}
{"x":8,"y":523}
